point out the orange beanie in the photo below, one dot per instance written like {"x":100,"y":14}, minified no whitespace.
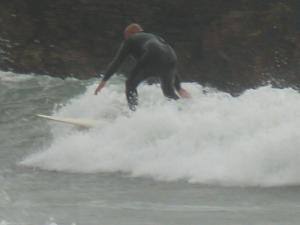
{"x":132,"y":29}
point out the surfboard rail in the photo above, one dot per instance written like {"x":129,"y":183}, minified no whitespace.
{"x":83,"y":123}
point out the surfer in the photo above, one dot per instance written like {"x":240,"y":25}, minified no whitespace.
{"x":154,"y":57}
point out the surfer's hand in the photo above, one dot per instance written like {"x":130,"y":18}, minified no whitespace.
{"x":184,"y":93}
{"x":100,"y":86}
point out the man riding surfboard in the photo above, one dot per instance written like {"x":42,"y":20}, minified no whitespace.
{"x":154,"y":58}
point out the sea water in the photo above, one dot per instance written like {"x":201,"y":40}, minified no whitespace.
{"x":213,"y":159}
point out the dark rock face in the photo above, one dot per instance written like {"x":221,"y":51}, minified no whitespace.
{"x":232,"y":45}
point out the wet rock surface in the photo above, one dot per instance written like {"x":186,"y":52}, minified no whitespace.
{"x":231,"y":45}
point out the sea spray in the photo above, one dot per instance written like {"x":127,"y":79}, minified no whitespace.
{"x":213,"y":138}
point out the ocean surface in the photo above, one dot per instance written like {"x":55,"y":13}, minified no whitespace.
{"x":210,"y":160}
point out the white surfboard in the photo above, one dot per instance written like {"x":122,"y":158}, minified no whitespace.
{"x":83,"y":123}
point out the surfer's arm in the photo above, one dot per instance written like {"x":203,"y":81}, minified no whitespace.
{"x":114,"y":65}
{"x":117,"y":61}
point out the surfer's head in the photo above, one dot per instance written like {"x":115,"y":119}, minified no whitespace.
{"x":132,"y":29}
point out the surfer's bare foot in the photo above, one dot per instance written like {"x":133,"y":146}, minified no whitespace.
{"x":184,"y":93}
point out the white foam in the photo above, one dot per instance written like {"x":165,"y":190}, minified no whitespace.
{"x":213,"y":138}
{"x":13,"y":77}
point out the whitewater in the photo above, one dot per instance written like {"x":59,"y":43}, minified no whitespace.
{"x":213,"y":143}
{"x":213,"y":138}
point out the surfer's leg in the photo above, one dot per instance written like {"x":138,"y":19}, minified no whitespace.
{"x":139,"y":73}
{"x":167,"y":84}
{"x":135,"y":78}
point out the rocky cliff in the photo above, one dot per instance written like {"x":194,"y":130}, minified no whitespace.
{"x":232,"y":45}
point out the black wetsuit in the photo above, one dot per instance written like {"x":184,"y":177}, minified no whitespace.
{"x":154,"y":57}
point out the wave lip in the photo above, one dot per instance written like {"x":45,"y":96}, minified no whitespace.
{"x":250,"y":140}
